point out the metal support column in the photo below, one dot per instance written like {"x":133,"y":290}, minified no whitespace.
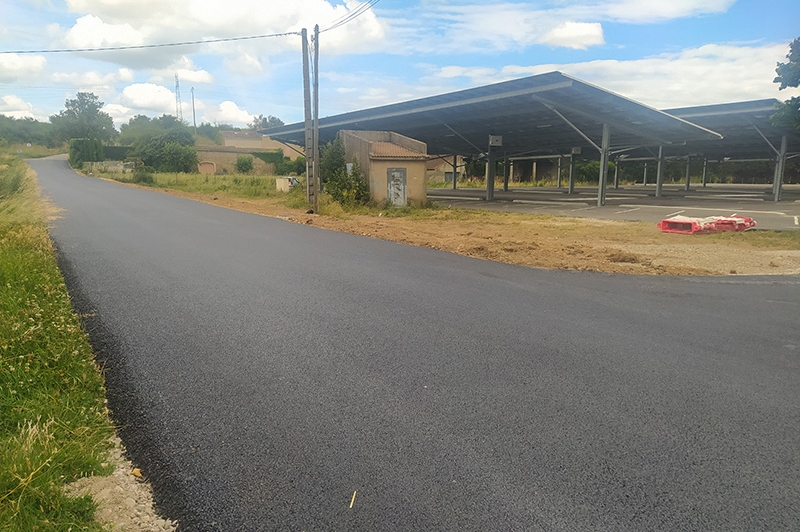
{"x":660,"y":171}
{"x":571,"y":189}
{"x":604,"y":146}
{"x":506,"y":173}
{"x":781,"y":165}
{"x":455,"y":171}
{"x":644,"y":177}
{"x":705,"y":171}
{"x":688,"y":176}
{"x":558,"y":179}
{"x":616,"y":174}
{"x":491,"y":173}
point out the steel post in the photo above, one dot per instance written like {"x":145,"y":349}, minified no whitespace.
{"x":660,"y":171}
{"x":601,"y":186}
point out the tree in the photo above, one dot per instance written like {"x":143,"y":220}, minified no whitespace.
{"x":788,"y":113}
{"x":83,"y":118}
{"x":244,"y":164}
{"x":265,"y":122}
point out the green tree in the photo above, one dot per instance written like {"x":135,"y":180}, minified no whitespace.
{"x":265,"y":122}
{"x":788,"y":113}
{"x":244,"y":164}
{"x":83,"y":118}
{"x":347,"y":188}
{"x":24,"y":130}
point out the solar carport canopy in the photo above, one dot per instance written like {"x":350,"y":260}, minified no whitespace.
{"x":547,"y":114}
{"x":746,"y":126}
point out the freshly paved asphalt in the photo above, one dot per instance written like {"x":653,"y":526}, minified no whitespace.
{"x":264,"y":371}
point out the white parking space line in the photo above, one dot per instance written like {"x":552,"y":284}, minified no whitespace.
{"x":779,"y":213}
{"x":674,"y":214}
{"x":629,"y":210}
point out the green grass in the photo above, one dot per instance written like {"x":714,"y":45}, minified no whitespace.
{"x":33,"y":151}
{"x":54,"y":426}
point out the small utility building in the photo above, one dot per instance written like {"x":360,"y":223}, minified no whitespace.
{"x":394,"y":165}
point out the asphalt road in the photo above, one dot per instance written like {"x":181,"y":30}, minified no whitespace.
{"x":638,"y":203}
{"x":265,"y":371}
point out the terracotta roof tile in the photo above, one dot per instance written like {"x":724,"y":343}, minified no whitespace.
{"x":388,"y":149}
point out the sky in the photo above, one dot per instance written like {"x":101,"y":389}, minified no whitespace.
{"x":662,"y":53}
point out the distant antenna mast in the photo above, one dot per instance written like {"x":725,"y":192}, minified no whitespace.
{"x":178,"y":111}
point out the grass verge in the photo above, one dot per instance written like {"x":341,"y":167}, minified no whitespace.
{"x":54,"y":426}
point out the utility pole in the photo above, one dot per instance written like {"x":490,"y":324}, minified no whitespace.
{"x":311,"y":189}
{"x":317,"y":183}
{"x":194,"y":117}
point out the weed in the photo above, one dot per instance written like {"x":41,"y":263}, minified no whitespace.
{"x":54,"y":426}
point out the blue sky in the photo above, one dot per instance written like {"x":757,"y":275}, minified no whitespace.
{"x":669,"y":53}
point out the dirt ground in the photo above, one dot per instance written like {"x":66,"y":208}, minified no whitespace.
{"x":553,"y":242}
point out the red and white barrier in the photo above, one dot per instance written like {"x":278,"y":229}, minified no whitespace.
{"x":713,"y":224}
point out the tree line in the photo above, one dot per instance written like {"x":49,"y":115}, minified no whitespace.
{"x":164,"y":143}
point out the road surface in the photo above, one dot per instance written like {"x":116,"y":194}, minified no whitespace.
{"x":276,"y":376}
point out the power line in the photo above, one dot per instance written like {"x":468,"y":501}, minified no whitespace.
{"x":350,"y":16}
{"x":143,"y":46}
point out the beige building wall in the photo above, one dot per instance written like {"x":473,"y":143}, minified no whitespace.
{"x":416,"y":184}
{"x":378,"y":151}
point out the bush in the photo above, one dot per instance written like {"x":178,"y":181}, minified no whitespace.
{"x":85,"y":150}
{"x":348,"y":188}
{"x":144,"y":174}
{"x":270,"y":157}
{"x":117,"y":153}
{"x":244,"y":164}
{"x":288,"y":166}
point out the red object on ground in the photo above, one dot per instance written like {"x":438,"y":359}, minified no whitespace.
{"x":714,"y":224}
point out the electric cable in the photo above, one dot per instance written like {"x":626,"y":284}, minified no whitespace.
{"x":144,"y":46}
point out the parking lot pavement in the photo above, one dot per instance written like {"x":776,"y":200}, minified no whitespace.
{"x":638,"y":203}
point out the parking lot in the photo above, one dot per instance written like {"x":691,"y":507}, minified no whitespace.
{"x":638,"y":202}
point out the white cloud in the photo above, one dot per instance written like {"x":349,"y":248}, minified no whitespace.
{"x":715,"y":73}
{"x":15,"y":107}
{"x":147,"y":98}
{"x":16,"y":67}
{"x":576,"y":35}
{"x":91,"y":32}
{"x":642,"y":11}
{"x":229,"y":113}
{"x":93,"y":80}
{"x":244,"y":64}
{"x":186,"y":70}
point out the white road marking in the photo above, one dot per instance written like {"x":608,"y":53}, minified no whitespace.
{"x":779,"y":213}
{"x":675,"y":214}
{"x":797,"y":220}
{"x":629,"y":210}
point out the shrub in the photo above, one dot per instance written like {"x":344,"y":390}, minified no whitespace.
{"x":348,"y":188}
{"x":117,"y":153}
{"x":85,"y":150}
{"x":288,"y":166}
{"x":144,"y":174}
{"x":244,"y":164}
